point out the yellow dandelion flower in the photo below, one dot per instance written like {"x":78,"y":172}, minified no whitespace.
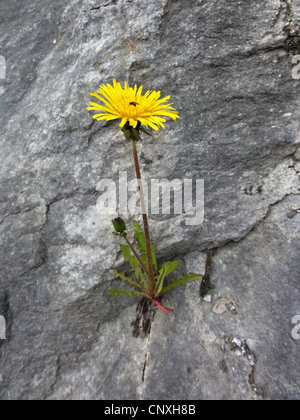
{"x":130,"y":106}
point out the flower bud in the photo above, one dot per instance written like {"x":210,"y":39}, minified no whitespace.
{"x":119,"y":226}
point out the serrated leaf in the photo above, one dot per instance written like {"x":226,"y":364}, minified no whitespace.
{"x":129,"y":280}
{"x":139,"y":274}
{"x":134,"y":262}
{"x":184,"y":280}
{"x":124,"y":292}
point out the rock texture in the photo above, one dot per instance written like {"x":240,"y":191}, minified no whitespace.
{"x":228,"y":67}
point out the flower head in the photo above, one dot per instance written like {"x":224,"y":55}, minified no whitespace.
{"x":132,"y":107}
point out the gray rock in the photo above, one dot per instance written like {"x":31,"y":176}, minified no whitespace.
{"x":194,"y":350}
{"x":226,"y":67}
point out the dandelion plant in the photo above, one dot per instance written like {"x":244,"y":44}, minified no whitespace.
{"x":138,"y":112}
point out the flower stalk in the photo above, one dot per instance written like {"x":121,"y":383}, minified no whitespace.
{"x":145,"y":218}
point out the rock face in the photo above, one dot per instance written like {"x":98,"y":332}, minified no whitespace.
{"x":228,"y":67}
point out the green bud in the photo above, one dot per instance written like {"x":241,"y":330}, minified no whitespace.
{"x":128,"y":134}
{"x":131,"y":133}
{"x":119,"y":226}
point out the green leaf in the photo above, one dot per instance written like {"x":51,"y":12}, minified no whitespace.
{"x":139,"y":274}
{"x":134,"y":262}
{"x":137,"y":227}
{"x":124,"y":292}
{"x":167,"y":269}
{"x":141,"y":241}
{"x":126,"y":252}
{"x":184,"y":280}
{"x":129,"y":280}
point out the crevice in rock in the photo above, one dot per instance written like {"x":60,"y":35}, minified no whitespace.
{"x":111,"y":3}
{"x":26,"y":210}
{"x":147,"y":350}
{"x":206,"y":285}
{"x":72,"y":194}
{"x":261,"y":391}
{"x":253,"y":228}
{"x":146,"y":358}
{"x":241,"y":349}
{"x":48,"y":204}
{"x":57,"y":374}
{"x":292,"y":43}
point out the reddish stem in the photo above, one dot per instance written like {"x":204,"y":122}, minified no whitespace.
{"x":161,"y":307}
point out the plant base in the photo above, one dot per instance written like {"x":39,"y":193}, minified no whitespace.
{"x":145,"y":313}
